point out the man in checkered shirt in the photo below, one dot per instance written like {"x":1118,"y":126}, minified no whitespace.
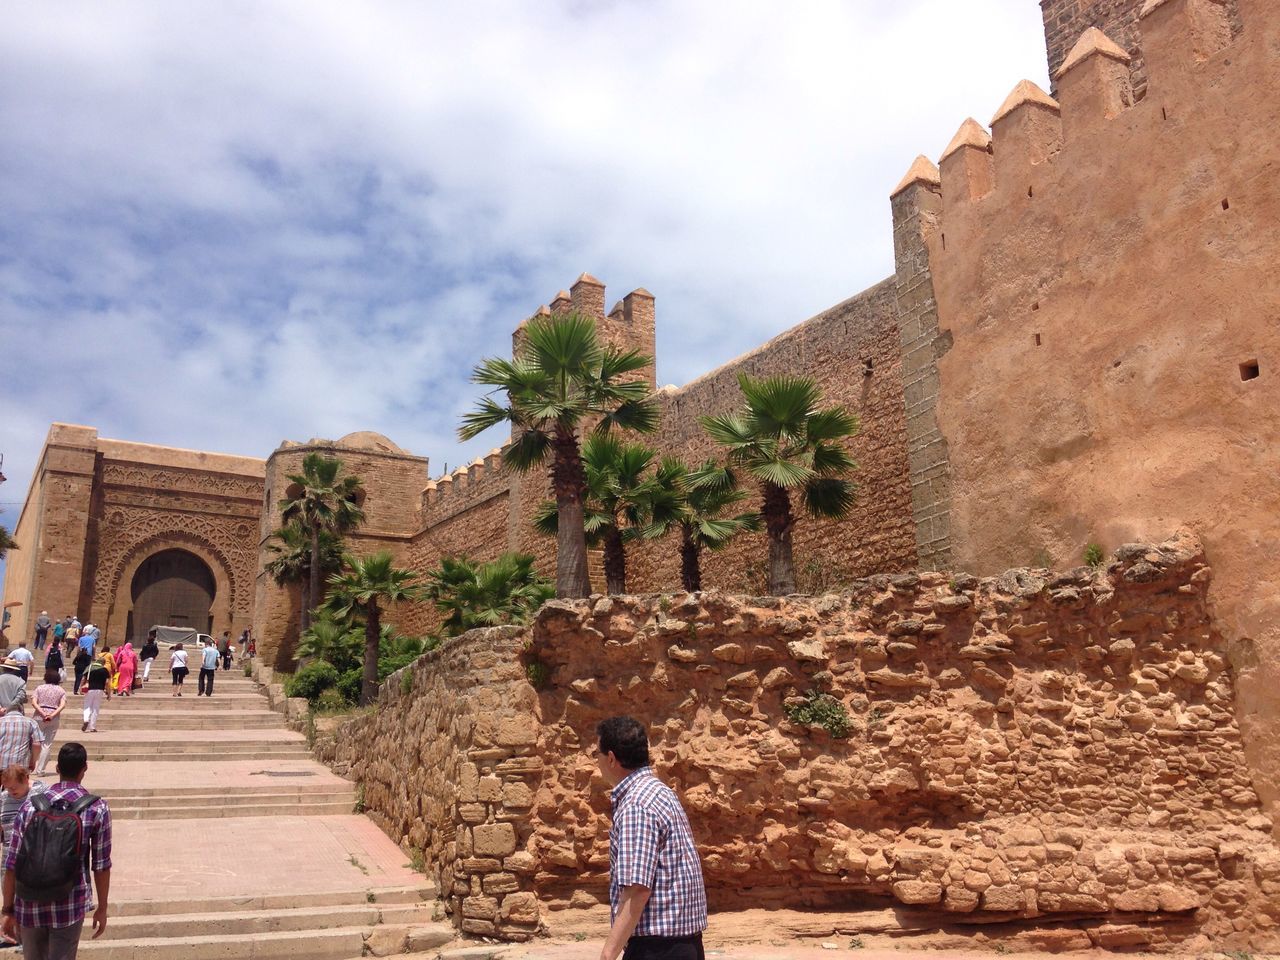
{"x":657,"y":900}
{"x":51,"y":931}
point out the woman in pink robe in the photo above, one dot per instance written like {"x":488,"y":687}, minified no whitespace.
{"x":126,"y":666}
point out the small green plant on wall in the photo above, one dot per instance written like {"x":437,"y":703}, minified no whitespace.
{"x":1093,"y":555}
{"x":821,"y":709}
{"x":538,"y":673}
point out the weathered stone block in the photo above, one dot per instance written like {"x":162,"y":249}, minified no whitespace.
{"x":494,"y":839}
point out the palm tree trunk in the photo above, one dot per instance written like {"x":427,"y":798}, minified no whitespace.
{"x":615,"y":563}
{"x":690,"y":562}
{"x":313,"y":595}
{"x":304,"y":606}
{"x":779,"y":522}
{"x":569,"y":481}
{"x":372,"y":634}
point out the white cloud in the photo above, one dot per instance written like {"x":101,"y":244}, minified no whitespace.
{"x":249,"y":222}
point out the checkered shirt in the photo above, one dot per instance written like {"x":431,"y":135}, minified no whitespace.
{"x":16,"y":732}
{"x":96,"y":825}
{"x":651,"y":845}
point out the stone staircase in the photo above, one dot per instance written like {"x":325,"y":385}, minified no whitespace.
{"x":231,"y":842}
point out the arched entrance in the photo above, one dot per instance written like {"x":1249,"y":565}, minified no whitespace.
{"x":172,"y":587}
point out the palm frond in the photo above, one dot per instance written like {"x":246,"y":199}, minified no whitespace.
{"x":833,"y":423}
{"x":829,"y":497}
{"x":528,"y":450}
{"x":563,"y":346}
{"x":488,"y":413}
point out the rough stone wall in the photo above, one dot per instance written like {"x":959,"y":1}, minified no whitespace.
{"x":449,"y":765}
{"x":1053,"y":759}
{"x":1110,"y":299}
{"x":852,"y":351}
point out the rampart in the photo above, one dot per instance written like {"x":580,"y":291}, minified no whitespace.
{"x":1105,"y":274}
{"x":852,"y":351}
{"x":1046,"y":760}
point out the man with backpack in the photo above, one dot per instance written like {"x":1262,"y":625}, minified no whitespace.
{"x":59,"y":838}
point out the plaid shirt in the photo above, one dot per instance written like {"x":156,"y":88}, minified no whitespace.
{"x":96,"y":824}
{"x":651,"y":845}
{"x":16,"y":732}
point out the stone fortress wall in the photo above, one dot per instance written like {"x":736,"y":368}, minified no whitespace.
{"x":1054,"y":760}
{"x":1105,"y":274}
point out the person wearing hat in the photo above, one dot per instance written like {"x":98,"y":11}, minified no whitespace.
{"x":13,"y":689}
{"x":24,"y":657}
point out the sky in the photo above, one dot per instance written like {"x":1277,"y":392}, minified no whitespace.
{"x":227,"y":224}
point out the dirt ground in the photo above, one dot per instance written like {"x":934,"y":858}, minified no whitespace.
{"x":782,"y":935}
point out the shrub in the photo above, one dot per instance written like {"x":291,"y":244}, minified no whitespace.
{"x":330,"y":699}
{"x":1093,"y":555}
{"x":823,"y":710}
{"x":248,"y":669}
{"x":349,"y":684}
{"x":311,"y":681}
{"x":406,"y":682}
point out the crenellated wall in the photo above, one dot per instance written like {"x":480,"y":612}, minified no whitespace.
{"x":1107,"y":277}
{"x":1048,"y":761}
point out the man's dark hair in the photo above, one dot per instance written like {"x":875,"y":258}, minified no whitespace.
{"x":72,"y":759}
{"x":625,"y":738}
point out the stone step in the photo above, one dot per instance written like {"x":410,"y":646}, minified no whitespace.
{"x":297,"y":787}
{"x":154,"y":720}
{"x":335,"y":943}
{"x":267,"y":750}
{"x":291,"y":806}
{"x":219,"y":701}
{"x":401,"y":895}
{"x":268,"y":921}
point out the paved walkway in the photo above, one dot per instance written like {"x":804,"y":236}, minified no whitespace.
{"x":231,"y":842}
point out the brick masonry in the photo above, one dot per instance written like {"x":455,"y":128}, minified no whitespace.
{"x":915,"y":214}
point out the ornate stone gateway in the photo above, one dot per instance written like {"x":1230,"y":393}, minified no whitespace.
{"x":174,"y":588}
{"x":128,"y":535}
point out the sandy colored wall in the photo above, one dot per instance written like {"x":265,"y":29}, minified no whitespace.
{"x":392,"y":480}
{"x":53,"y":531}
{"x":1101,"y":301}
{"x":1052,"y":760}
{"x":834,"y":347}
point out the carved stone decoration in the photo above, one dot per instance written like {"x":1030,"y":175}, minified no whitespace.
{"x":128,"y":535}
{"x":192,"y":481}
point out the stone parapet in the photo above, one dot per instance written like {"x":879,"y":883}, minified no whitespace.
{"x":1054,"y":757}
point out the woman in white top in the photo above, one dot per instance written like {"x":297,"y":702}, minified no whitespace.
{"x":178,"y":667}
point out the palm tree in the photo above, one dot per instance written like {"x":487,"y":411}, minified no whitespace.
{"x":364,"y":589}
{"x":7,"y":542}
{"x":615,"y":507}
{"x":559,"y":382}
{"x":694,"y":501}
{"x":291,"y":545}
{"x":333,"y":639}
{"x":318,"y":500}
{"x":786,"y":442}
{"x":506,"y":590}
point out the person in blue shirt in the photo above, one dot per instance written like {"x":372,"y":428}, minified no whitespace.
{"x":209,"y":658}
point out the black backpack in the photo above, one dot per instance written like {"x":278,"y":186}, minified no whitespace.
{"x":54,"y":852}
